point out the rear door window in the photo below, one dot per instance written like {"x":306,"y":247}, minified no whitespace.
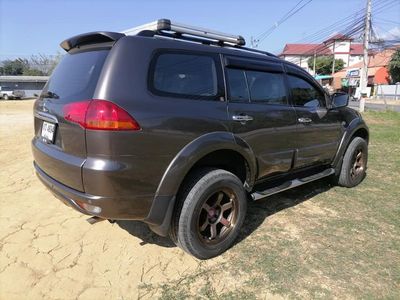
{"x":256,"y":87}
{"x":238,"y":89}
{"x":184,"y":75}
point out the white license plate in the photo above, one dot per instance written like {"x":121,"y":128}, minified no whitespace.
{"x":48,"y":130}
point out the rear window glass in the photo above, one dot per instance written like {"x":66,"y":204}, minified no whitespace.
{"x":76,"y":75}
{"x":185,"y":75}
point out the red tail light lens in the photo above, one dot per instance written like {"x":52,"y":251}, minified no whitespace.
{"x":99,"y":115}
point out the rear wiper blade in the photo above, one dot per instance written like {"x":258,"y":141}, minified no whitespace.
{"x":50,"y":94}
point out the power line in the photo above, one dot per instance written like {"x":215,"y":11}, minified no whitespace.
{"x":283,"y":19}
{"x":351,"y":25}
{"x":387,"y":21}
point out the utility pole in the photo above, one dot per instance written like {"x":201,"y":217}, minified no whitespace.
{"x":333,"y":61}
{"x":315,"y":58}
{"x":364,"y":71}
{"x":253,"y":42}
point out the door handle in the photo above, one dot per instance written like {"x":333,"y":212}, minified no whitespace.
{"x":242,"y":118}
{"x":304,"y":120}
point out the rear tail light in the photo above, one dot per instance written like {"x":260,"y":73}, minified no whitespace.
{"x":99,"y":115}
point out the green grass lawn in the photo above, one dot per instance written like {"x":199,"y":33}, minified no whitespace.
{"x":316,"y":241}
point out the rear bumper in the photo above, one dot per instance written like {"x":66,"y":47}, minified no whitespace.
{"x":116,"y":208}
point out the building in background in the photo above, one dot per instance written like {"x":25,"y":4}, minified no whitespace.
{"x":31,"y":85}
{"x":340,"y":46}
{"x":378,"y":73}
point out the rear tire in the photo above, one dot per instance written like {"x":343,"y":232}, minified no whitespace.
{"x":210,"y":211}
{"x":354,"y":164}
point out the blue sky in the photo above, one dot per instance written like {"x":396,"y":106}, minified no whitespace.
{"x":32,"y":27}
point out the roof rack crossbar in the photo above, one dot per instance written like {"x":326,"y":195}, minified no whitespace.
{"x":162,"y":25}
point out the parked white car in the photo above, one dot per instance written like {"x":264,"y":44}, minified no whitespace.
{"x":9,"y":93}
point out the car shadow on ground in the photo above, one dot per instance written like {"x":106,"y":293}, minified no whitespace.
{"x":257,"y":212}
{"x":143,"y":232}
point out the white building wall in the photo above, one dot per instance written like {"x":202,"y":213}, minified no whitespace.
{"x":342,"y":46}
{"x":344,"y":57}
{"x":353,"y":59}
{"x":299,"y":60}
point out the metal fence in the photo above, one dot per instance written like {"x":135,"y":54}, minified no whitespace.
{"x":389,"y":92}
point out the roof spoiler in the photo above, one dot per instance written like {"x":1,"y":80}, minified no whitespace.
{"x":90,"y":38}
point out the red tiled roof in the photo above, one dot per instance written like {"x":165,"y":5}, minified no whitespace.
{"x":305,"y":49}
{"x":320,"y":49}
{"x":356,"y":49}
{"x":338,"y":37}
{"x":379,"y":59}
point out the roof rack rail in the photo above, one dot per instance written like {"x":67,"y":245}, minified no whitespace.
{"x":166,"y":27}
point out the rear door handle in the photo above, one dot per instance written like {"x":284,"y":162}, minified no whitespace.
{"x":304,"y":120}
{"x":242,"y":118}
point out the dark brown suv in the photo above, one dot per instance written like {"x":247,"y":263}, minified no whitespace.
{"x":178,"y":126}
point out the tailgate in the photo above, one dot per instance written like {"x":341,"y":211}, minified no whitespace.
{"x":59,"y":146}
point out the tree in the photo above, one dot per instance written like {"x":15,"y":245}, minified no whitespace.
{"x":37,"y":65}
{"x":394,"y":66}
{"x":323,"y":64}
{"x":44,"y":64}
{"x":14,"y":67}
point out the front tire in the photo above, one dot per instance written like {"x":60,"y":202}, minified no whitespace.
{"x":5,"y":97}
{"x":354,"y":164}
{"x":211,"y":209}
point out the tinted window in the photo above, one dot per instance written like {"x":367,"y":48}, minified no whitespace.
{"x":266,"y":87}
{"x":185,"y":75}
{"x":238,"y":90}
{"x":260,"y":86}
{"x":76,"y":75}
{"x":304,"y":94}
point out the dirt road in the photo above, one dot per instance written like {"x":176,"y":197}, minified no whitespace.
{"x":49,"y":251}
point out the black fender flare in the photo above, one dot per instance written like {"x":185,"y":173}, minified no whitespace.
{"x":352,"y":128}
{"x":163,"y":204}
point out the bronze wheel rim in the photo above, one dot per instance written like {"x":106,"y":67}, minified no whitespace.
{"x":218,"y":216}
{"x":358,"y":164}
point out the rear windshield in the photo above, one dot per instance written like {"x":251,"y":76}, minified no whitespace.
{"x":76,"y":76}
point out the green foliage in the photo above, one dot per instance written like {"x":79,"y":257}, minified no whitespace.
{"x":323,"y":64}
{"x":35,"y":66}
{"x":14,"y":67}
{"x":394,"y":66}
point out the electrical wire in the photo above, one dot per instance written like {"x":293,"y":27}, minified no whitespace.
{"x":351,"y":26}
{"x":283,"y":19}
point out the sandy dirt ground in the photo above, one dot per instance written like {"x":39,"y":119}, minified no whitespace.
{"x":48,"y":250}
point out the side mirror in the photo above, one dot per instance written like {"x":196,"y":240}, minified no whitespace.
{"x":339,"y":100}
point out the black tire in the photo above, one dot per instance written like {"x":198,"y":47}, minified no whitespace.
{"x":5,"y":97}
{"x":196,"y":219}
{"x":354,"y":164}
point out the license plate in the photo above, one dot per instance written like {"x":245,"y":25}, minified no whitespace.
{"x":48,"y":130}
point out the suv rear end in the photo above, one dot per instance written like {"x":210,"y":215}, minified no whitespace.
{"x":67,"y":115}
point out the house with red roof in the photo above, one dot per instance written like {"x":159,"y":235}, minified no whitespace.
{"x":339,"y":45}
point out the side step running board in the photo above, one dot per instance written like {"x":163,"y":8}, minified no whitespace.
{"x":291,"y":184}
